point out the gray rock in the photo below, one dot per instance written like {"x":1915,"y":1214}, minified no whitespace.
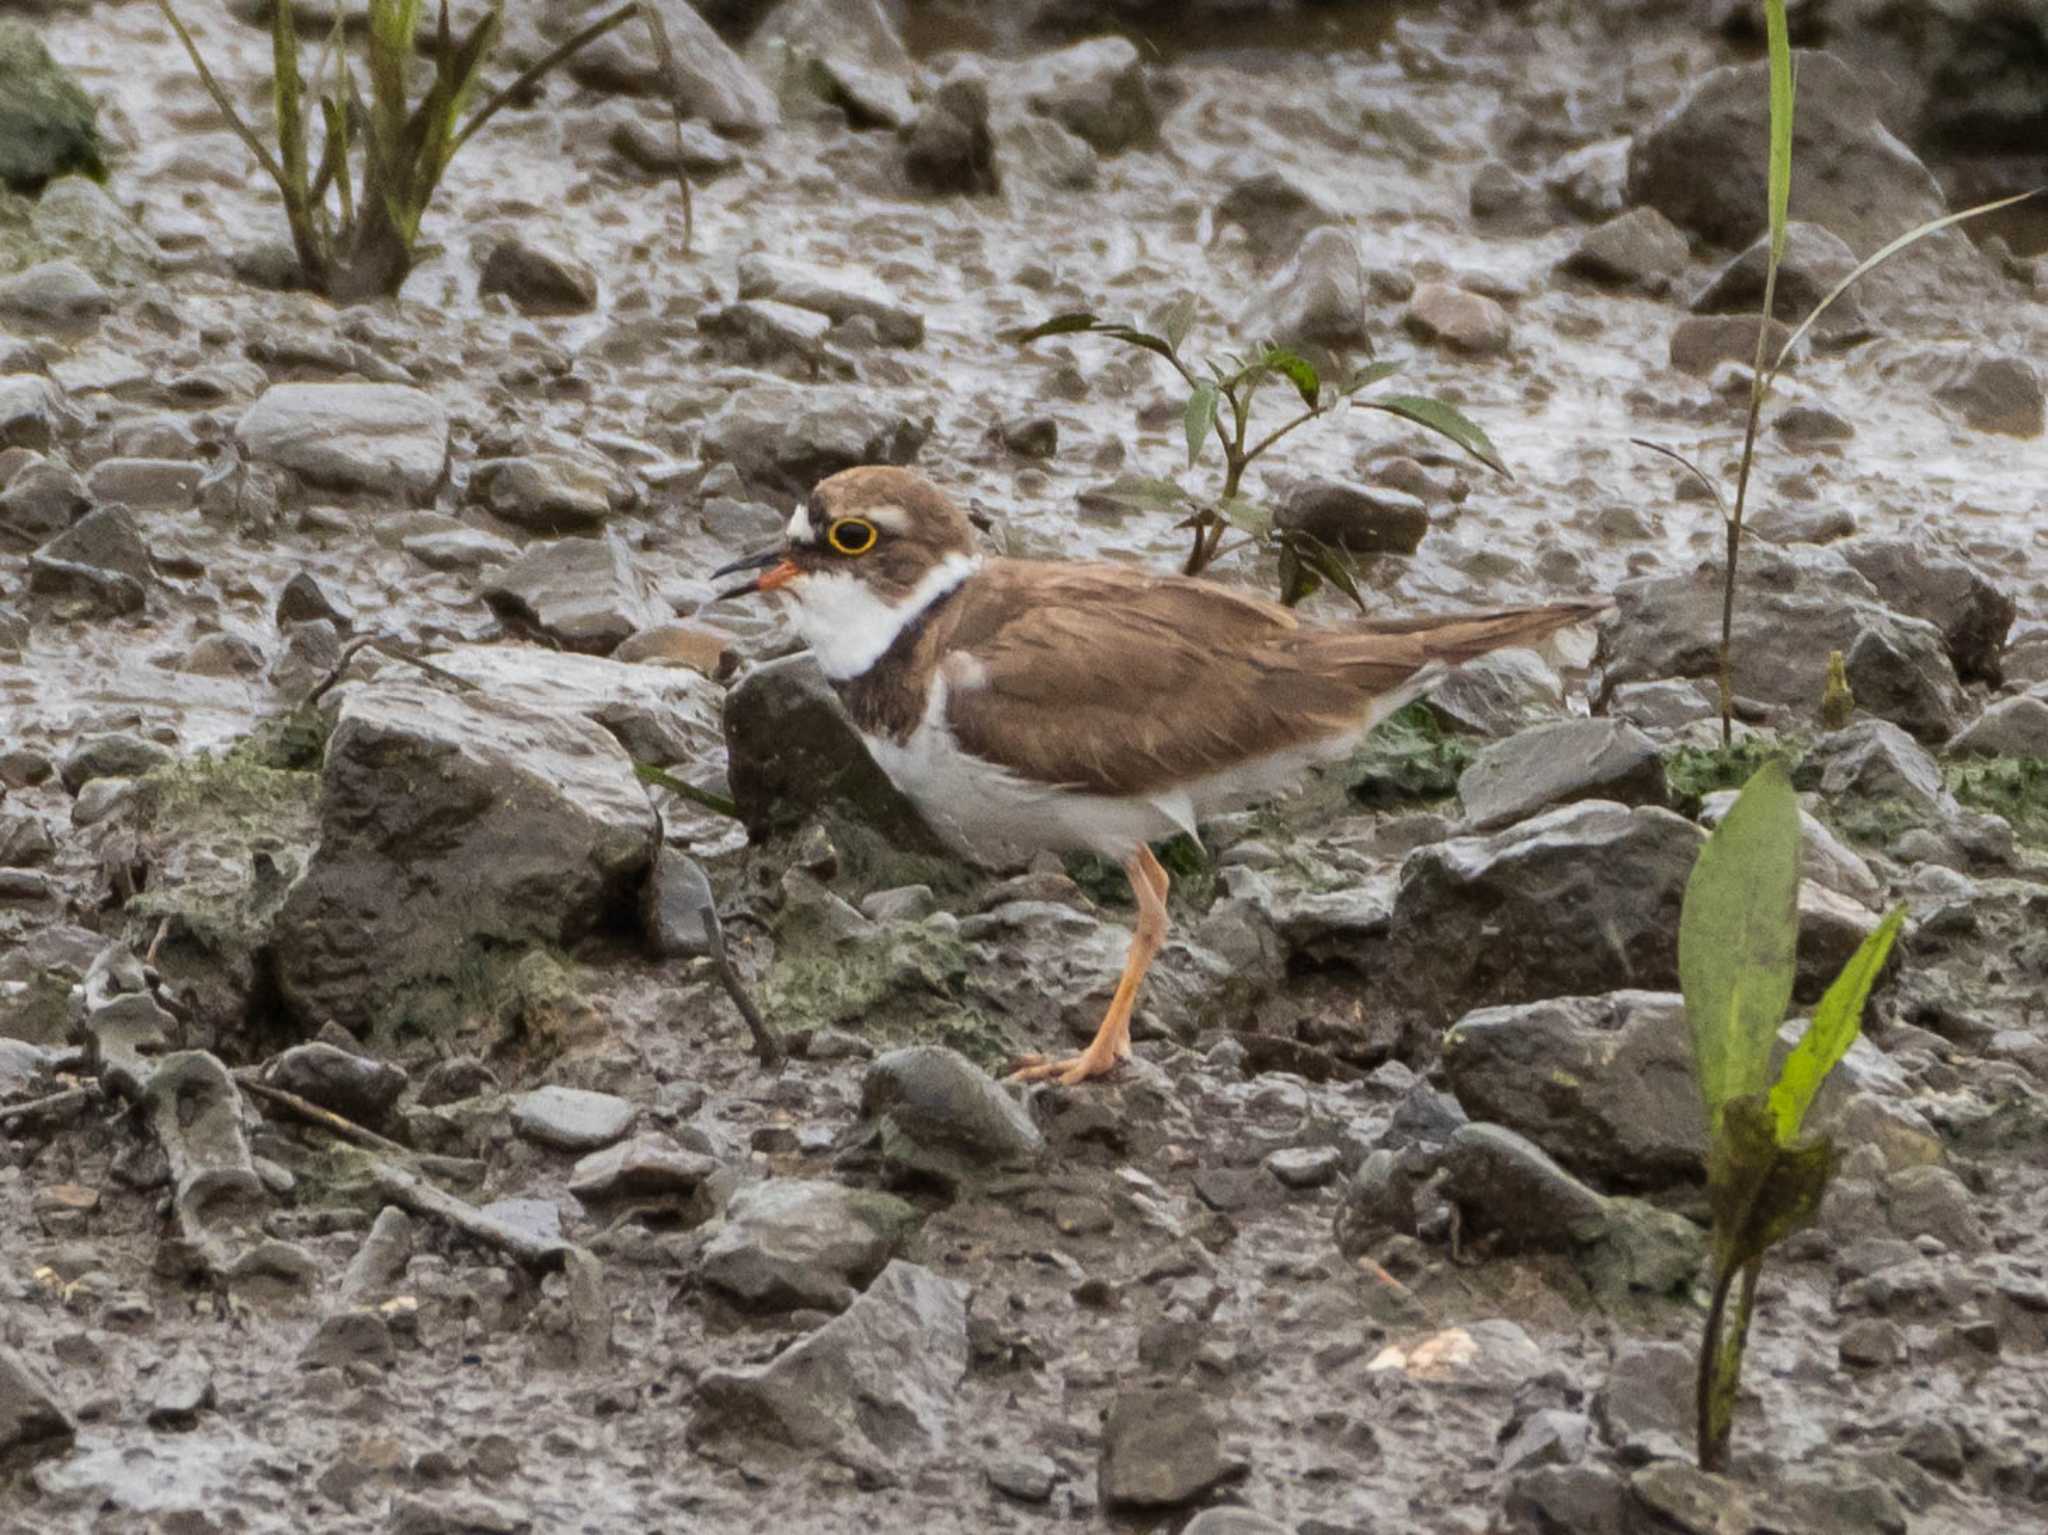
{"x":146,"y":484}
{"x":1364,"y":519}
{"x":1797,"y":605}
{"x":1999,"y":393}
{"x":54,"y":293}
{"x":586,"y":594}
{"x":1804,"y":428}
{"x":1316,"y":303}
{"x":941,"y":1117}
{"x":792,"y":752}
{"x":1459,"y":319}
{"x":109,"y":756}
{"x":1815,"y":260}
{"x":713,"y":83}
{"x":1161,"y":1448}
{"x":839,"y":293}
{"x":1857,"y":180}
{"x":1934,"y":1202}
{"x":951,"y":147}
{"x":1276,"y":213}
{"x":25,"y":841}
{"x":783,"y":440}
{"x":1924,"y":577}
{"x":2009,"y":727}
{"x":1585,"y":1499}
{"x":550,"y":492}
{"x":769,"y":333}
{"x":540,"y":276}
{"x":1557,"y":764}
{"x":1605,"y":1084}
{"x":1645,"y":1409}
{"x":1049,"y":154}
{"x":1800,"y":522}
{"x":47,"y":126}
{"x":1824,"y":859}
{"x":101,"y":557}
{"x":1305,"y":1167}
{"x":1591,"y":182}
{"x":1506,"y":1185}
{"x":790,"y":1244}
{"x":647,"y":1166}
{"x":1637,"y":249}
{"x":388,"y":439}
{"x":874,"y":1388}
{"x":846,"y":53}
{"x":452,"y":824}
{"x":677,"y":908}
{"x":181,"y":1391}
{"x":1503,"y":202}
{"x":43,"y":496}
{"x":1498,"y":694}
{"x":196,"y":1113}
{"x":74,"y":219}
{"x":1701,"y":343}
{"x":32,"y":411}
{"x":379,"y":1264}
{"x":572,"y":1118}
{"x":1878,"y":764}
{"x":1493,"y":1356}
{"x":1573,"y":901}
{"x":354,"y":1086}
{"x":358,"y":1335}
{"x":1025,"y":1477}
{"x":1096,"y":90}
{"x":652,"y":143}
{"x":661,"y":714}
{"x":34,"y":1423}
{"x":1550,"y":1436}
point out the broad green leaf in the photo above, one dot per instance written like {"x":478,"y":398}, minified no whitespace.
{"x":1782,"y":94}
{"x":1334,"y":566}
{"x":1296,"y":579}
{"x":1178,"y":320}
{"x":1145,"y":494}
{"x":1444,"y":419}
{"x":1058,"y":325}
{"x":1912,"y":236}
{"x":1836,"y":1023}
{"x":1130,"y":335}
{"x":1200,"y":419}
{"x":1247,"y":516}
{"x":1372,"y":373}
{"x":1297,"y":370}
{"x":1737,"y":937}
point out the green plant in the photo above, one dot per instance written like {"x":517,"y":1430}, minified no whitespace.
{"x":356,"y":234}
{"x":1737,"y":937}
{"x":1766,"y":369}
{"x":1220,"y":405}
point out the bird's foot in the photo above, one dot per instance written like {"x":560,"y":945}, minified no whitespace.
{"x":1071,"y":1070}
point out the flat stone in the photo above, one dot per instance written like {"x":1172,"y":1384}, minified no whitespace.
{"x":116,"y":755}
{"x":1505,"y":1184}
{"x":839,"y":293}
{"x":1161,"y":1448}
{"x":789,"y":1244}
{"x":550,"y":492}
{"x":783,"y":440}
{"x":539,"y":278}
{"x":572,"y":1118}
{"x":1701,"y":343}
{"x":1363,"y":519}
{"x":1305,"y":1167}
{"x":1558,"y":763}
{"x":1637,"y":249}
{"x":1645,"y":1409}
{"x":1095,"y":89}
{"x":941,"y":1116}
{"x":2009,"y":727}
{"x":54,"y":293}
{"x":384,"y":438}
{"x":587,"y":594}
{"x":1488,"y":1356}
{"x":1461,"y":320}
{"x":1027,"y":1478}
{"x":647,"y":1165}
{"x":845,"y":53}
{"x":34,"y":1423}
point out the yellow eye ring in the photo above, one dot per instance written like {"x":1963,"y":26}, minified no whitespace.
{"x":851,"y":535}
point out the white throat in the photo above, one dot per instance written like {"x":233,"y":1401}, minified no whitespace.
{"x":849,"y":626}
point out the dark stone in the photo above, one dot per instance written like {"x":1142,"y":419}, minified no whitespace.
{"x":1637,"y":249}
{"x":47,"y":122}
{"x":539,"y":280}
{"x":354,"y":1086}
{"x":950,"y":149}
{"x":1363,"y":519}
{"x":33,"y":1419}
{"x":1559,"y":763}
{"x":1814,"y":261}
{"x":1507,"y":1186}
{"x":1162,"y":1448}
{"x":939,"y":1116}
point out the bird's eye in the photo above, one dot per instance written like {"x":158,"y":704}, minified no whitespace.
{"x":851,"y":535}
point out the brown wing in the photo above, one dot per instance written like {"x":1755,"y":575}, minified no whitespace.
{"x":1118,"y":681}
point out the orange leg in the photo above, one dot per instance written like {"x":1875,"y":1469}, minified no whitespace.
{"x":1112,"y":1042}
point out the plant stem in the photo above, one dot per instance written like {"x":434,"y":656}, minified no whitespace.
{"x":1720,"y":1369}
{"x":533,"y":76}
{"x":1279,"y":432}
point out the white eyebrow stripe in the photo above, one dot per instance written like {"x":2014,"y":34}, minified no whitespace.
{"x":800,"y":525}
{"x":889,"y":517}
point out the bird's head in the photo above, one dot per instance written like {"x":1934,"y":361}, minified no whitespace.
{"x":868,"y":551}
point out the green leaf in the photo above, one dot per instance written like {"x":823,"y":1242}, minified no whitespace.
{"x":1445,"y":420}
{"x":1200,"y":419}
{"x":1372,"y":373}
{"x":1296,"y":579}
{"x":1178,"y":320}
{"x":287,"y":99}
{"x":1247,"y":516}
{"x":1334,"y":566}
{"x":1059,"y":325}
{"x":1737,"y":938}
{"x":1760,"y":1192}
{"x":1145,"y":494}
{"x":1782,"y":93}
{"x":1297,"y":370}
{"x":1836,"y":1023}
{"x":1131,"y":336}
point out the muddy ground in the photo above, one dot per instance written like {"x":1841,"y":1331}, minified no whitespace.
{"x":1445,"y":1363}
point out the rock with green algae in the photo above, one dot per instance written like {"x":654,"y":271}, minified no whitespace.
{"x":47,"y":126}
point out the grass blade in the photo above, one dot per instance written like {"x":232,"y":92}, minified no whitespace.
{"x":1781,"y":125}
{"x":1059,"y":325}
{"x":1910,"y":237}
{"x":288,"y":102}
{"x":1200,"y":419}
{"x":1738,"y":935}
{"x":1689,"y":467}
{"x":1445,"y":420}
{"x":235,"y":120}
{"x":1836,"y":1023}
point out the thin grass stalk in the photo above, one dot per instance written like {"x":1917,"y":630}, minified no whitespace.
{"x":235,"y":120}
{"x":671,"y":79}
{"x":1720,"y":1367}
{"x":533,"y":76}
